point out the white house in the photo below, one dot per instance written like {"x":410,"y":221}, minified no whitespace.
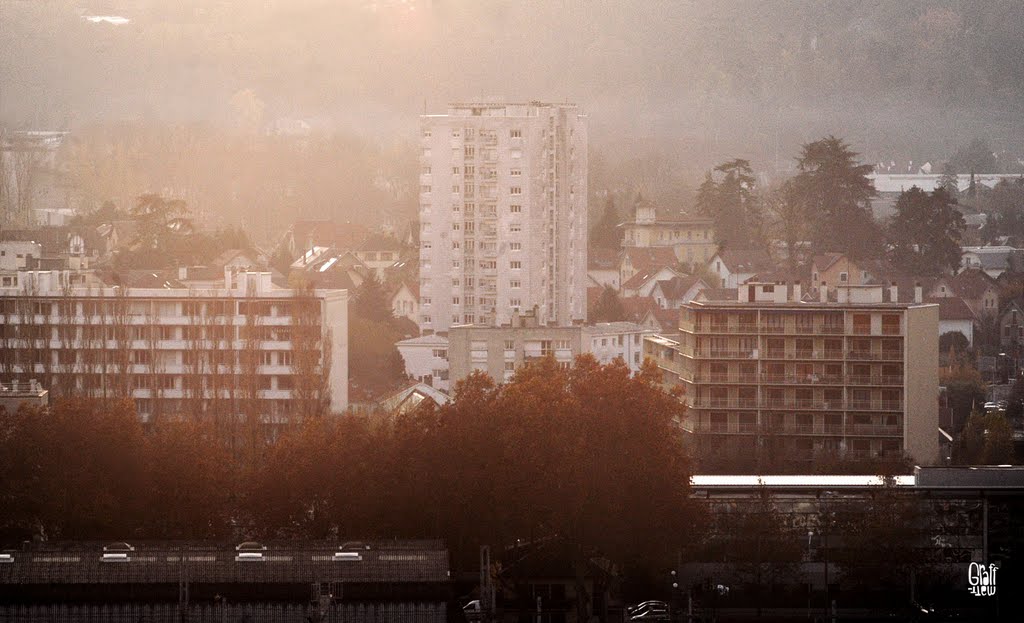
{"x":405,"y":300}
{"x":426,"y":359}
{"x":735,"y":266}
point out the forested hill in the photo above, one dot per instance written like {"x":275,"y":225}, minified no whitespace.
{"x":705,"y":79}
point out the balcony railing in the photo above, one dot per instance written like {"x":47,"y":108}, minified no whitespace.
{"x":726,"y":403}
{"x":874,"y":430}
{"x":714,"y":353}
{"x":863,"y":355}
{"x":857,"y":379}
{"x":802,"y":379}
{"x":742,"y":327}
{"x":803,"y":354}
{"x":725,"y":428}
{"x":875,"y":405}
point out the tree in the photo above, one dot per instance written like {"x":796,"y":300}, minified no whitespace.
{"x":987,"y":439}
{"x":732,"y":204}
{"x":608,"y":307}
{"x":787,"y":220}
{"x":964,"y":392}
{"x":835,"y":192}
{"x":925,"y":232}
{"x":975,"y":156}
{"x":606,"y":233}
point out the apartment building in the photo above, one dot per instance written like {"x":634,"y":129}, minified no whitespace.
{"x":776,"y":379}
{"x":503,"y":214}
{"x":242,"y":348}
{"x":500,"y":351}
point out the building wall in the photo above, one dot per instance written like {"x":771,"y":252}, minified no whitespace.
{"x":922,"y":385}
{"x":427,"y":360}
{"x":812,"y":379}
{"x":509,"y":229}
{"x":690,"y":241}
{"x":499,"y":351}
{"x":169,"y":348}
{"x":607,"y":341}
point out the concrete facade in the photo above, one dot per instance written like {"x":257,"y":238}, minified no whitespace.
{"x":503,"y":214}
{"x":175,"y":349}
{"x":790,"y":381}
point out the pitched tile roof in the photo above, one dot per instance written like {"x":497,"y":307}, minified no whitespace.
{"x":678,"y":286}
{"x":643,"y":258}
{"x":746,"y":260}
{"x":971,"y":283}
{"x":952,"y":308}
{"x":602,"y":259}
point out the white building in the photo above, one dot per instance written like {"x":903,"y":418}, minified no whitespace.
{"x":241,"y":348}
{"x":500,"y":351}
{"x":426,"y":359}
{"x":503,"y":214}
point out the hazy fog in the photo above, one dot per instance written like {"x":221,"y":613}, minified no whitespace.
{"x":691,"y":82}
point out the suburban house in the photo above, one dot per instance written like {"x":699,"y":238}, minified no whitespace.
{"x":638,"y":259}
{"x":603,"y":268}
{"x":675,"y":292}
{"x":692,"y":239}
{"x":378,"y":253}
{"x":955,"y":315}
{"x":405,"y":300}
{"x":979,"y":291}
{"x":644,"y":282}
{"x":993,"y":260}
{"x":735,"y":266}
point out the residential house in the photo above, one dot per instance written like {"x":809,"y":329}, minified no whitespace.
{"x":977,"y":289}
{"x":426,"y":359}
{"x":306,"y":234}
{"x":675,"y":292}
{"x":603,"y":268}
{"x":736,"y":266}
{"x":955,"y":315}
{"x":993,"y":260}
{"x":637,"y":259}
{"x":691,"y":238}
{"x":379,"y":253}
{"x":643,"y":282}
{"x":405,"y":300}
{"x":1011,"y":328}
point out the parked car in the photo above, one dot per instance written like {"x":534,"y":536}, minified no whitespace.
{"x":473,"y":611}
{"x":117,"y":552}
{"x":652,"y":610}
{"x":250,"y":550}
{"x":354,"y":546}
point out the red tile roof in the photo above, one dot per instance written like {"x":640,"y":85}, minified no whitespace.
{"x":952,"y":308}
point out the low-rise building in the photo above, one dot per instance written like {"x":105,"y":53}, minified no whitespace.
{"x":17,"y":393}
{"x":426,"y":359}
{"x":736,"y":266}
{"x":500,"y":351}
{"x":691,"y":238}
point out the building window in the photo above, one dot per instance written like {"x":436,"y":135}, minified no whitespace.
{"x":455,"y":300}
{"x":456,"y":226}
{"x":515,"y":228}
{"x":515,"y":246}
{"x":426,"y":134}
{"x":515,"y":303}
{"x":441,"y":353}
{"x":515,"y":265}
{"x":844,"y":277}
{"x":515,"y":172}
{"x":515,"y":208}
{"x":515,"y":190}
{"x":510,"y":345}
{"x":515,"y":134}
{"x":455,"y":170}
{"x":515,"y":283}
{"x":455,"y":188}
{"x":510,"y":366}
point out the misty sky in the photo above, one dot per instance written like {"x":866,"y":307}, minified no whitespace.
{"x":699,"y":80}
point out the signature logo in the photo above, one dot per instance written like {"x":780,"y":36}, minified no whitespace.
{"x":982,"y":579}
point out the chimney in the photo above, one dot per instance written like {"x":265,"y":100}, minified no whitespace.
{"x":741,"y":292}
{"x":918,"y":292}
{"x":823,"y":292}
{"x":227,"y":277}
{"x":798,"y":294}
{"x":894,"y":293}
{"x":182,"y":273}
{"x":842,"y":294}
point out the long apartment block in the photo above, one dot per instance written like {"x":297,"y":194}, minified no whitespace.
{"x":503,"y":214}
{"x":787,"y":380}
{"x":242,"y":348}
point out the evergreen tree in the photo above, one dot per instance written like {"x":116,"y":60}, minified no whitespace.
{"x":836,"y":193}
{"x":732,"y":204}
{"x":608,"y":307}
{"x":925,"y":232}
